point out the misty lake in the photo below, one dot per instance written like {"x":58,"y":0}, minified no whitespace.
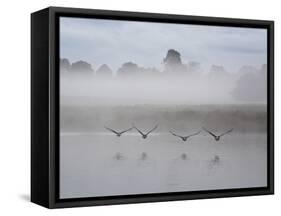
{"x":102,"y":164}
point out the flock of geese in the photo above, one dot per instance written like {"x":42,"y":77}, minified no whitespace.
{"x":183,"y":138}
{"x":144,"y":135}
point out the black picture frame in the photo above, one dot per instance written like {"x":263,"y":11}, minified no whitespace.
{"x":45,"y":106}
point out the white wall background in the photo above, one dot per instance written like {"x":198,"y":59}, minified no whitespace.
{"x":15,"y":107}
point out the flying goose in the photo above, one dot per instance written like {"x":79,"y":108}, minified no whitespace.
{"x":144,"y":135}
{"x":217,"y":137}
{"x":184,"y":138}
{"x":118,"y":133}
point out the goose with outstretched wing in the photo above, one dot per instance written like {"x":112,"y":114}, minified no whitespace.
{"x":184,"y":138}
{"x":217,"y":137}
{"x":117,"y":132}
{"x":144,"y":135}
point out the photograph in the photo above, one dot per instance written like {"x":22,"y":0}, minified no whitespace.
{"x":154,"y":107}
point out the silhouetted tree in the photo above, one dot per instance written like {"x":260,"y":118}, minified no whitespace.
{"x":128,"y":68}
{"x":247,"y":69}
{"x":173,"y":63}
{"x":218,"y":72}
{"x":104,"y":70}
{"x":173,"y":57}
{"x":64,"y":65}
{"x":251,"y":86}
{"x":82,"y":66}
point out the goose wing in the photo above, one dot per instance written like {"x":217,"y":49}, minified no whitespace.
{"x":209,"y":132}
{"x":111,"y":130}
{"x":138,"y":130}
{"x":126,"y":130}
{"x":175,"y":134}
{"x":194,"y":134}
{"x":152,"y":129}
{"x":227,"y":132}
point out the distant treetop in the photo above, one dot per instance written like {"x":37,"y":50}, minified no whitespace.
{"x":64,"y":65}
{"x":82,"y":66}
{"x":173,"y":57}
{"x":173,"y":63}
{"x":104,"y":70}
{"x":128,"y":68}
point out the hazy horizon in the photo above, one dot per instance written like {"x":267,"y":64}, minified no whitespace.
{"x":114,"y":42}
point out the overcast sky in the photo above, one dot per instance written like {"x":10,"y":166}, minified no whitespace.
{"x":111,"y":42}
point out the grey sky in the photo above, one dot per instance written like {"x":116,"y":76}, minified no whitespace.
{"x":113,"y":42}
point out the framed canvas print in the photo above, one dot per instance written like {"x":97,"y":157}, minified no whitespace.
{"x":138,"y":107}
